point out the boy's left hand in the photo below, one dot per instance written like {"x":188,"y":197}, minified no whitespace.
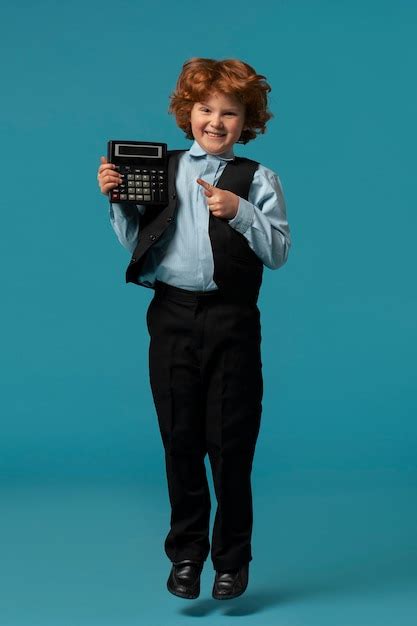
{"x":220,"y":202}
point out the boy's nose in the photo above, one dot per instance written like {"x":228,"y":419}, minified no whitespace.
{"x":216,"y":129}
{"x":216,"y":122}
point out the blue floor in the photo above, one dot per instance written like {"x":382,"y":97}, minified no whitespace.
{"x":328,"y":550}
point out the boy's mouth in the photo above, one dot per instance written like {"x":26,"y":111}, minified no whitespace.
{"x":214,"y":134}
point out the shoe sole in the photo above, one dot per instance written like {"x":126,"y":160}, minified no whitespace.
{"x":228,"y":597}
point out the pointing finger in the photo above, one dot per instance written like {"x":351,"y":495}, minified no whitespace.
{"x":206,"y":185}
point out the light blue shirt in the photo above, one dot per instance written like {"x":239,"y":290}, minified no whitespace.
{"x":183,"y":256}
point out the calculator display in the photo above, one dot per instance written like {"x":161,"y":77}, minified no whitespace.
{"x":154,"y":152}
{"x":143,"y":166}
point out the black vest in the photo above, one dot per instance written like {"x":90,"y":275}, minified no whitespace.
{"x":237,"y":269}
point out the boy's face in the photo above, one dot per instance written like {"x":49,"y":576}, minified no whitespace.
{"x":217,"y":122}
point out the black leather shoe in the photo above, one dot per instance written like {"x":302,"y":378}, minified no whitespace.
{"x":231,"y":584}
{"x":184,"y":579}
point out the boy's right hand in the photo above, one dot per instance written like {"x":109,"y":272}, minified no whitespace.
{"x":108,"y":177}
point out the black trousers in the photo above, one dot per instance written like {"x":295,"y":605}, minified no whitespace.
{"x":206,"y":379}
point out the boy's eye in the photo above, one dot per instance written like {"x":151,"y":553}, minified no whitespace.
{"x":206,"y":110}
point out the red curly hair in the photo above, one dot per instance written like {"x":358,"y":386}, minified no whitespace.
{"x":200,"y":77}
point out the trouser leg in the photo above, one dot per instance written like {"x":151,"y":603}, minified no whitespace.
{"x":232,"y":379}
{"x":177,"y":392}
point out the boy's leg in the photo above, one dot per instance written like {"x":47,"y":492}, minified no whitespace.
{"x":176,"y":386}
{"x":232,"y":375}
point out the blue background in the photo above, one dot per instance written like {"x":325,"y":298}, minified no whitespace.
{"x":84,"y":508}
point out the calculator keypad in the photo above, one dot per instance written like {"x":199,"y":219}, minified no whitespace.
{"x":141,"y":185}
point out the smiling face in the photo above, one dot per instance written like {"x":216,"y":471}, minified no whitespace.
{"x":217,"y":122}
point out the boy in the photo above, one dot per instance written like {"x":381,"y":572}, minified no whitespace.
{"x":203,"y":254}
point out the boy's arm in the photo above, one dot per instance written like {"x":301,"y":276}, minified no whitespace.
{"x":262,"y":219}
{"x":125,"y":223}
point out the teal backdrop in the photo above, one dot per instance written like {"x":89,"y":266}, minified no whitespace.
{"x":81,"y":467}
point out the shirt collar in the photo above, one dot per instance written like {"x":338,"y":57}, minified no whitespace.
{"x":197,"y":151}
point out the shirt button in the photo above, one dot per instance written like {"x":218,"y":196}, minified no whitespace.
{"x":173,"y":196}
{"x":169,"y":219}
{"x":152,"y":237}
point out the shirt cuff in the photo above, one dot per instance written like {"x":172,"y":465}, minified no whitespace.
{"x":244,"y":216}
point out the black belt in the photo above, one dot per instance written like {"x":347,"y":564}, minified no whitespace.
{"x":169,"y":291}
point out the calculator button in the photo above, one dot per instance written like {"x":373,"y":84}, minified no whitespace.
{"x":139,"y":197}
{"x":132,"y":196}
{"x":161,"y":177}
{"x":145,"y":171}
{"x":138,"y":177}
{"x":153,"y":171}
{"x":115,"y":196}
{"x":130,"y":177}
{"x":123,"y":196}
{"x":147,"y":198}
{"x":145,"y":177}
{"x":131,"y":183}
{"x":161,"y":171}
{"x":146,"y":184}
{"x":138,"y":183}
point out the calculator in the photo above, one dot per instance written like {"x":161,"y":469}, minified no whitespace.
{"x":144,"y":168}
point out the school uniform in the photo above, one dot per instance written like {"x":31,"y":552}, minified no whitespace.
{"x":205,"y":339}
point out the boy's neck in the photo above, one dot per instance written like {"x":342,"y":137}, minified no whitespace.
{"x":197,"y":150}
